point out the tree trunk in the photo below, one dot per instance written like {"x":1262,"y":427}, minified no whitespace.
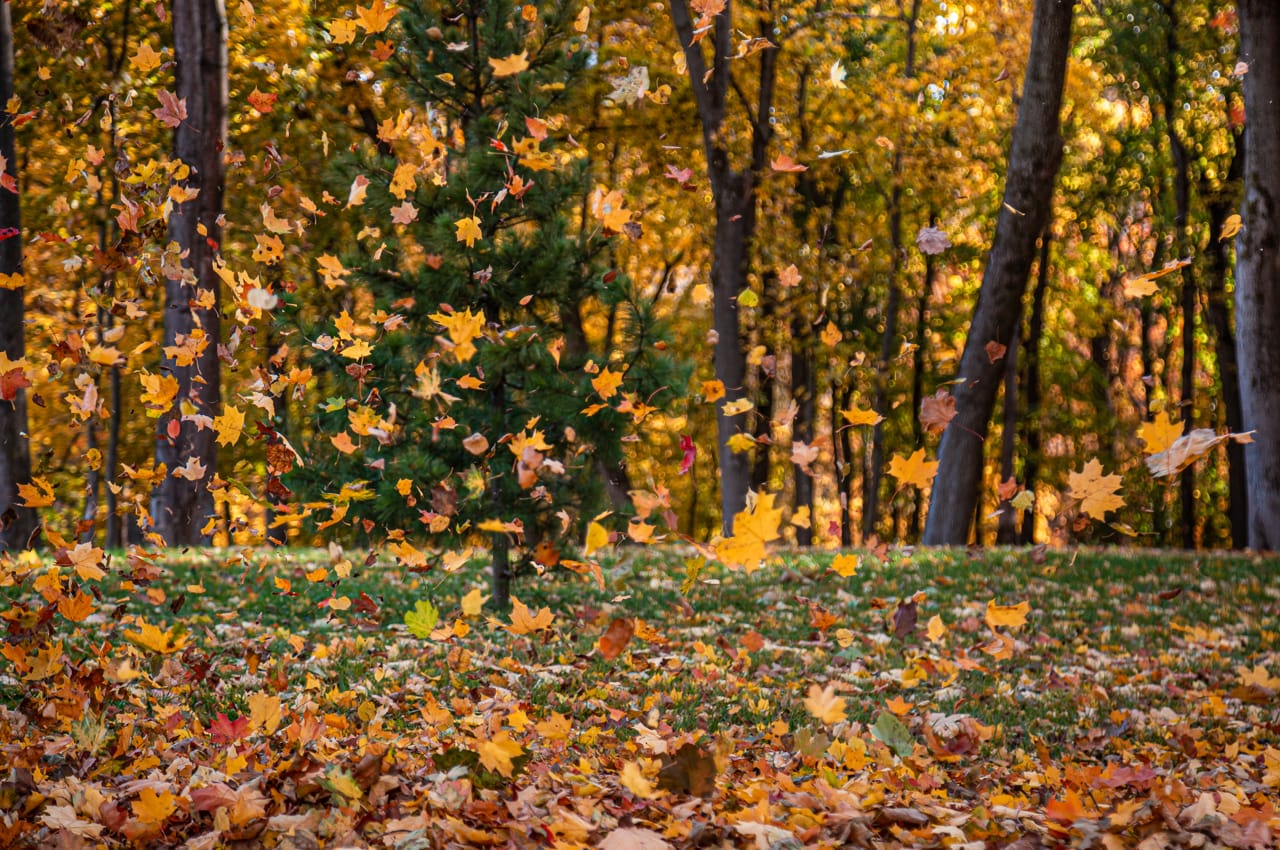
{"x":1182,"y":207}
{"x":917,"y":380}
{"x":1007,"y":523}
{"x":803,"y":391}
{"x":191,"y":301}
{"x":17,"y":524}
{"x":1258,"y":268}
{"x":1031,"y":386}
{"x":734,"y":195}
{"x":1218,"y":312}
{"x":1033,"y":166}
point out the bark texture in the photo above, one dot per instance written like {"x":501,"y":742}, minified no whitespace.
{"x":184,"y":506}
{"x":1258,"y":268}
{"x":733,"y":191}
{"x":1033,"y":165}
{"x":16,"y":523}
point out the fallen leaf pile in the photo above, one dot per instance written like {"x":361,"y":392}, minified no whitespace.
{"x":1078,"y":700}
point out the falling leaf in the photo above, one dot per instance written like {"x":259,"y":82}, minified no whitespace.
{"x":145,"y":58}
{"x":836,"y":76}
{"x":597,"y":538}
{"x":1143,"y":285}
{"x":160,"y":641}
{"x":860,"y":416}
{"x":463,"y":328}
{"x":931,"y":240}
{"x":995,"y":351}
{"x":422,"y":619}
{"x":616,"y":638}
{"x":1097,"y":493}
{"x":172,"y":111}
{"x":511,"y":65}
{"x":37,"y":494}
{"x":606,"y":383}
{"x":752,"y":529}
{"x":823,"y":704}
{"x":785,"y":164}
{"x":229,"y":425}
{"x":1009,"y":616}
{"x":831,"y":335}
{"x":262,"y":102}
{"x":736,"y":407}
{"x":376,"y":17}
{"x":937,"y":411}
{"x":473,"y":602}
{"x":845,"y":565}
{"x":524,"y":622}
{"x":1230,"y":227}
{"x":1187,"y":449}
{"x":1159,"y":434}
{"x":914,"y":470}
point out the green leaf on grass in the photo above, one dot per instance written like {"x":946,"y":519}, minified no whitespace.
{"x":894,"y":732}
{"x":422,"y":619}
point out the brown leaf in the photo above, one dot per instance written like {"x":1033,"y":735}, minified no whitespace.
{"x":937,"y":411}
{"x":616,"y":638}
{"x":995,"y":350}
{"x":172,"y":111}
{"x":904,"y":619}
{"x":689,"y":771}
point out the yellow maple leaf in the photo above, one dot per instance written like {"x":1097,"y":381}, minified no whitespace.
{"x":146,"y":58}
{"x":376,"y":17}
{"x":740,"y":443}
{"x":597,"y":538}
{"x":1097,"y":493}
{"x":555,"y":728}
{"x":154,"y":807}
{"x":1158,"y":434}
{"x":509,"y":66}
{"x":737,"y":406}
{"x":610,"y":208}
{"x":914,"y":470}
{"x":1009,"y":616}
{"x":857,"y":416}
{"x":524,"y":622}
{"x":159,"y":392}
{"x":831,"y":335}
{"x":468,"y":230}
{"x":1230,"y":227}
{"x":712,"y":391}
{"x":937,"y":629}
{"x":151,"y":637}
{"x":752,"y":529}
{"x":37,"y":494}
{"x":845,"y":565}
{"x":343,"y":32}
{"x":823,"y":704}
{"x":229,"y":425}
{"x":85,"y":558}
{"x":463,"y":328}
{"x":607,"y":383}
{"x":497,"y":753}
{"x":473,"y":602}
{"x":264,"y":712}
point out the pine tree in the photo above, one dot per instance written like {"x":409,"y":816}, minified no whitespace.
{"x":484,"y":395}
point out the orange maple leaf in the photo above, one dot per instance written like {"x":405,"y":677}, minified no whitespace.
{"x":524,"y":622}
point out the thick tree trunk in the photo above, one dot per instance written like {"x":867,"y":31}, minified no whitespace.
{"x":1033,"y":166}
{"x":191,"y":308}
{"x":734,"y":195}
{"x":1007,"y":523}
{"x":17,"y":524}
{"x":1031,"y":385}
{"x":1258,"y":268}
{"x":1182,"y":209}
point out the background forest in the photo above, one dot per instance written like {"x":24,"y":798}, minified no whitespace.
{"x":451,"y":274}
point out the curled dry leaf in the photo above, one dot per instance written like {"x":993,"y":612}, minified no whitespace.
{"x":937,"y":411}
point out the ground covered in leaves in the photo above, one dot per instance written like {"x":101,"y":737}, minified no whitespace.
{"x":999,"y":699}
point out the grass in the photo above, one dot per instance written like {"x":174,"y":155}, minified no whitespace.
{"x":1147,"y":660}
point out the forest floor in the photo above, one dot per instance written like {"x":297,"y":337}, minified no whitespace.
{"x":1024,"y":699}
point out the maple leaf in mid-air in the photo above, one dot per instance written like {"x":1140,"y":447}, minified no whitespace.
{"x":937,"y":411}
{"x":468,"y":230}
{"x":463,"y":328}
{"x":1009,"y":616}
{"x":524,"y":622}
{"x":511,"y":65}
{"x":172,"y":111}
{"x":913,"y":470}
{"x":1159,"y":434}
{"x":1097,"y":493}
{"x":752,"y":529}
{"x":376,"y":16}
